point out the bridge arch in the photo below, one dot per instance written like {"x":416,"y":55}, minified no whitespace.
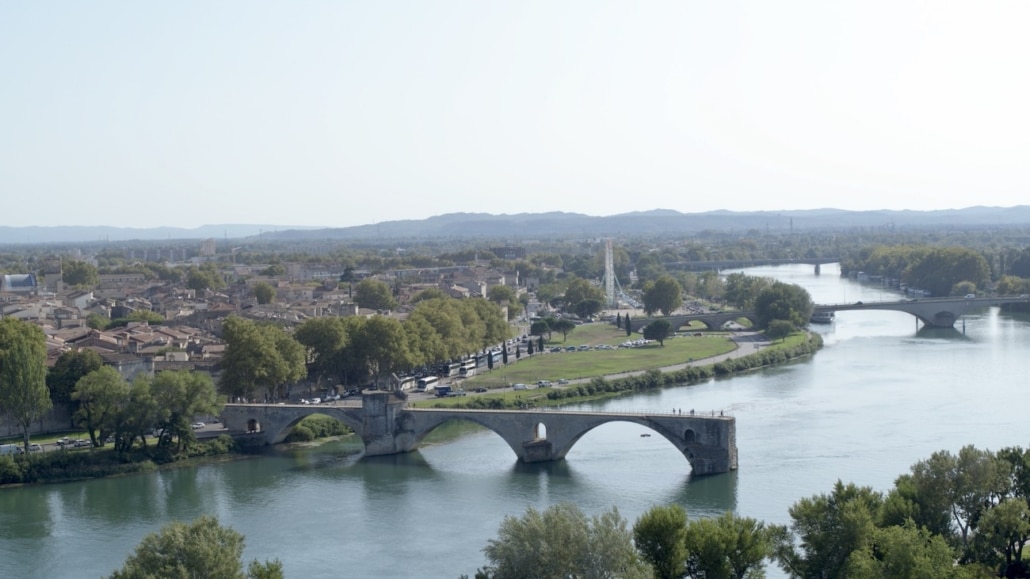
{"x":564,"y":445}
{"x":419,"y":429}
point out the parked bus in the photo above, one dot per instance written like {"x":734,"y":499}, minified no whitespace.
{"x":453,"y":369}
{"x":468,"y":368}
{"x":428,"y":383}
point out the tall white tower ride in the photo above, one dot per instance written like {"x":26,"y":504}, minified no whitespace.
{"x":609,"y":274}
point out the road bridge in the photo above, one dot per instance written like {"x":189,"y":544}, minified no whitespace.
{"x":388,"y":426}
{"x":742,"y":263}
{"x":932,"y":312}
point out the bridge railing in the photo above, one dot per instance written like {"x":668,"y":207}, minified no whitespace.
{"x":691,"y":413}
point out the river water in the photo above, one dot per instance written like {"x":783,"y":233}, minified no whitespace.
{"x":877,"y":398}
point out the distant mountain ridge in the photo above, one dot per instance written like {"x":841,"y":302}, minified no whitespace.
{"x":544,"y":225}
{"x":662,"y":221}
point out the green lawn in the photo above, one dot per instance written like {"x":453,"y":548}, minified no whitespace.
{"x":574,"y":365}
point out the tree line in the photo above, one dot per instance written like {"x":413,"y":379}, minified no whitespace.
{"x":954,"y":515}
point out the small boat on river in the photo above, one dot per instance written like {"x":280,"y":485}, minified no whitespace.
{"x":822,"y":318}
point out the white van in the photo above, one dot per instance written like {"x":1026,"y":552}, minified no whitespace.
{"x":10,"y":449}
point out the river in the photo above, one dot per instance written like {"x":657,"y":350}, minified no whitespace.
{"x":877,"y":398}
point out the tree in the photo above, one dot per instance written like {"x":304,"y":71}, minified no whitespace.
{"x":504,"y":354}
{"x":564,"y":327}
{"x":904,"y":552}
{"x":206,"y":277}
{"x":79,"y":273}
{"x":70,"y":367}
{"x":258,"y":357}
{"x":264,"y":292}
{"x":562,"y":542}
{"x":727,"y":546}
{"x":1002,"y":532}
{"x":181,"y":395}
{"x":539,"y":328}
{"x":618,"y":321}
{"x":202,"y":548}
{"x":629,"y":328}
{"x":583,"y":298}
{"x":97,"y":321}
{"x":658,"y":330}
{"x":430,"y":293}
{"x":826,"y":530}
{"x":374,"y":295}
{"x":529,"y":347}
{"x":325,"y":339}
{"x":664,"y":295}
{"x":381,"y":347}
{"x":783,"y":301}
{"x":660,"y":538}
{"x":779,"y":329}
{"x":540,"y":344}
{"x":23,"y":391}
{"x":100,"y":395}
{"x":504,"y":295}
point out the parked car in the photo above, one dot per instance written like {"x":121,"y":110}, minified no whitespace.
{"x":480,"y":390}
{"x":197,"y":425}
{"x":82,"y":442}
{"x":563,"y":381}
{"x":35,"y":447}
{"x":520,"y":387}
{"x":543,"y":384}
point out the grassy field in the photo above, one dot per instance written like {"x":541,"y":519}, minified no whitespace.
{"x":572,"y":365}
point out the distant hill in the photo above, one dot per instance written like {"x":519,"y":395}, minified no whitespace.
{"x":662,"y":221}
{"x":549,"y":225}
{"x":85,"y":233}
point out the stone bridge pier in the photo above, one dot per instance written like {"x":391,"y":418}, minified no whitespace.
{"x":387,"y":426}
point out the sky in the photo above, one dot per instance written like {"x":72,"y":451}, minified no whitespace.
{"x":340,"y":113}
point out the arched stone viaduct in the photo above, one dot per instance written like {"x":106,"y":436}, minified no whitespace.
{"x":932,"y":312}
{"x":387,"y":426}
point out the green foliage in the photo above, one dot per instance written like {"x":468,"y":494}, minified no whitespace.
{"x":728,"y":546}
{"x":826,"y":530}
{"x":100,"y":396}
{"x":779,"y":329}
{"x":742,"y":290}
{"x":562,"y":326}
{"x":264,"y":357}
{"x":317,"y":426}
{"x":562,"y":542}
{"x":97,"y":321}
{"x":181,"y":395}
{"x":375,"y":295}
{"x":783,"y":301}
{"x":583,"y":298}
{"x":664,"y":295}
{"x":79,"y":273}
{"x":206,"y":277}
{"x":658,"y":330}
{"x":24,"y":395}
{"x":264,"y":292}
{"x":66,"y":372}
{"x":933,"y":269}
{"x":202,"y":548}
{"x":660,"y":538}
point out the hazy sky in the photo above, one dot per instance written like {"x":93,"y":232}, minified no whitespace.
{"x":345,"y":113}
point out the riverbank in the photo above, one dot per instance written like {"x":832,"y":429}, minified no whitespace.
{"x":613,"y":385}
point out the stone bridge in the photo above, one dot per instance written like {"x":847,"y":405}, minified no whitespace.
{"x":933,"y":312}
{"x":388,"y":426}
{"x":713,"y":320}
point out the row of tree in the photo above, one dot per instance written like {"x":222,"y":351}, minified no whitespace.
{"x":963,"y":515}
{"x":262,"y":359}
